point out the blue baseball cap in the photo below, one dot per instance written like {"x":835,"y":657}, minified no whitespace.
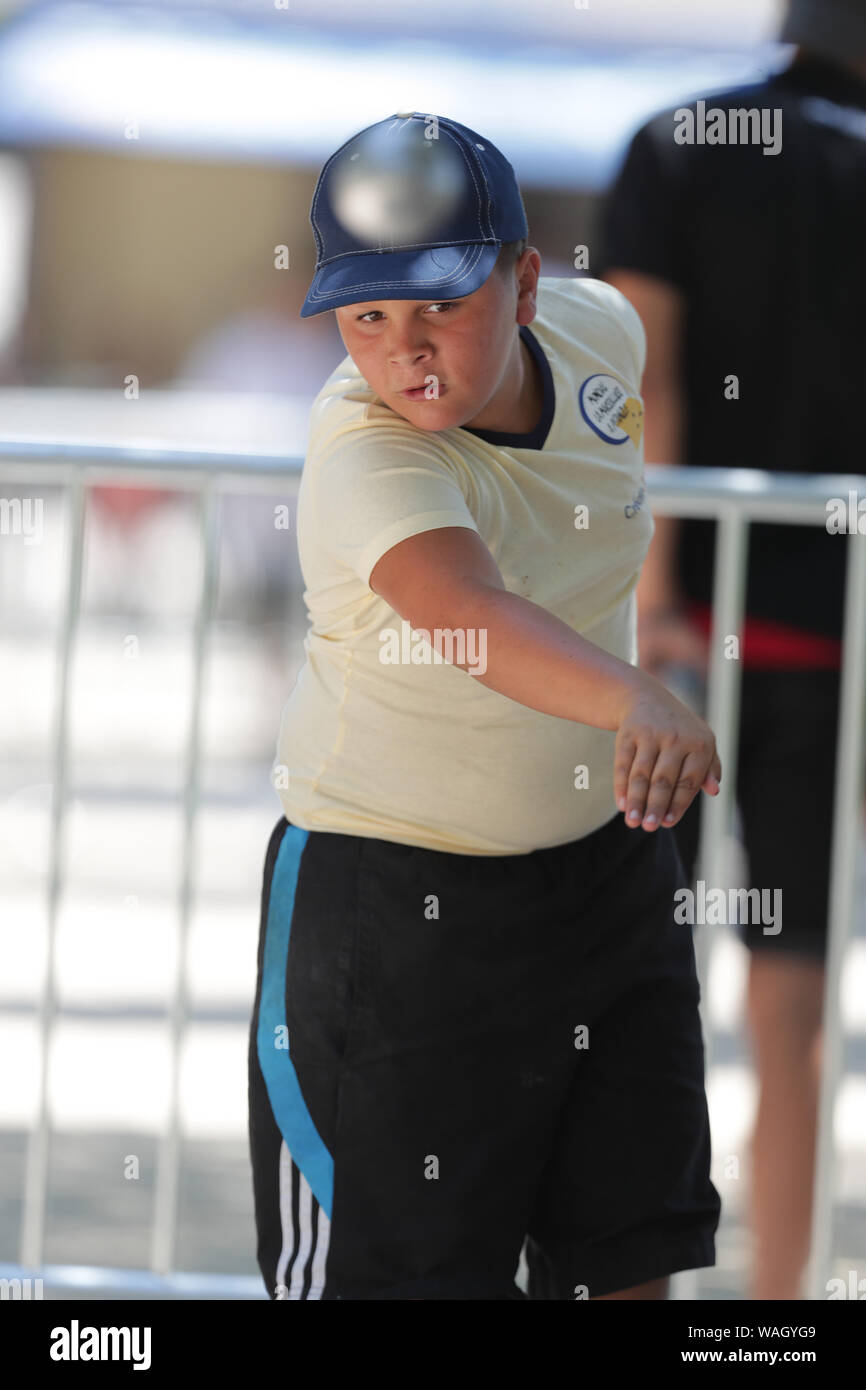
{"x":413,"y":207}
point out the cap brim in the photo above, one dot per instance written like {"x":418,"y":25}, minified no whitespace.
{"x":441,"y":272}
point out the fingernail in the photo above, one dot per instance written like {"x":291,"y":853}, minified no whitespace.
{"x":634,"y":816}
{"x":669,"y":820}
{"x":651,"y":820}
{"x":621,"y":803}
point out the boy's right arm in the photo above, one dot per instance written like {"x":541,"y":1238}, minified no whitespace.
{"x":446,"y":578}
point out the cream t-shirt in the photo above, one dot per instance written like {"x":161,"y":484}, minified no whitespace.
{"x":380,"y":737}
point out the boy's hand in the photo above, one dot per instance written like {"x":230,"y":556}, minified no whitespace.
{"x":663,"y":756}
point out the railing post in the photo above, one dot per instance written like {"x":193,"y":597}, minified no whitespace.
{"x":168,"y":1158}
{"x":36,"y":1169}
{"x":847,"y":835}
{"x":723,"y":696}
{"x":723,"y":716}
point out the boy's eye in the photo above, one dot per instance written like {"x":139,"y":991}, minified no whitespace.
{"x":439,"y":304}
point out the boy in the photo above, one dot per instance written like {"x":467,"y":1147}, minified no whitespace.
{"x":475,"y":1020}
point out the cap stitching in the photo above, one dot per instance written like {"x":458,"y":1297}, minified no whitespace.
{"x":316,"y":293}
{"x":410,"y":246}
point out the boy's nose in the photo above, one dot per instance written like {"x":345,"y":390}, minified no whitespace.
{"x":407,"y":353}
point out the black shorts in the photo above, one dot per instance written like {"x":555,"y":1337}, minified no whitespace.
{"x":450,"y":1054}
{"x":786,"y":779}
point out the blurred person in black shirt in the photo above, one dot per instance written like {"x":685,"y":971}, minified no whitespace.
{"x":745,"y":259}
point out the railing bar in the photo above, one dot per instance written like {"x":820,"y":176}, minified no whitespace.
{"x":784,"y":499}
{"x":146,"y":454}
{"x":776,"y":510}
{"x":723,"y":717}
{"x":113,"y":459}
{"x":168,"y":1160}
{"x":36,"y":1169}
{"x":847,"y":832}
{"x":726,"y":482}
{"x":177,"y":477}
{"x":127,"y":1282}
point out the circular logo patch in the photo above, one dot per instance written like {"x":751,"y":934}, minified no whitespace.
{"x":608,"y":409}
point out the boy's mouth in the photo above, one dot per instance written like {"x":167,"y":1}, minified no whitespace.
{"x":417,"y":393}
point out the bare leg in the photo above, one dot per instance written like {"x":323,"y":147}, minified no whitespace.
{"x":785,"y":998}
{"x":656,"y":1288}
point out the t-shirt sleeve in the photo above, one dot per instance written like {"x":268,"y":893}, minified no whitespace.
{"x":642,"y":225}
{"x":371,"y":490}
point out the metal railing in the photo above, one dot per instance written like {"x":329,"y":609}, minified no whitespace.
{"x":735,"y":498}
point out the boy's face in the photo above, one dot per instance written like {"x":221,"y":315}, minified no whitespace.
{"x":470,"y":347}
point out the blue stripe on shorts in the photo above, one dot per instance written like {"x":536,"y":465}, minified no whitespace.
{"x":303,"y":1140}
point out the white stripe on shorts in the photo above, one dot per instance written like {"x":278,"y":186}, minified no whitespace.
{"x":292,"y":1180}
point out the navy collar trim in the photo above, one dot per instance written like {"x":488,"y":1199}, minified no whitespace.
{"x":536,"y":438}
